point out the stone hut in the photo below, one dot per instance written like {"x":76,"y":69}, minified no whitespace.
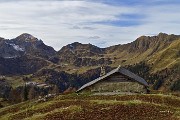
{"x":118,"y":81}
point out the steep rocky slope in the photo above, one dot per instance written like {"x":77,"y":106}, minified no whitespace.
{"x":24,"y":54}
{"x":25,"y":44}
{"x":82,"y":55}
{"x":141,"y":49}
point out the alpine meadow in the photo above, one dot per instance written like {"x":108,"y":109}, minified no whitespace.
{"x":89,"y":60}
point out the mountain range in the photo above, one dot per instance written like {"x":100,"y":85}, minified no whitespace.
{"x":26,"y":58}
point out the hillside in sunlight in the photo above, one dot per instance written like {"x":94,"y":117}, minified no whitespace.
{"x":80,"y":107}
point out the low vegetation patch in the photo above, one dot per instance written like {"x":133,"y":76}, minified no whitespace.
{"x":85,"y":107}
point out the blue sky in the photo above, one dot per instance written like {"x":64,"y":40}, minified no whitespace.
{"x":99,"y":22}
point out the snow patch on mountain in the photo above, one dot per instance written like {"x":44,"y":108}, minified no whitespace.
{"x":16,"y":47}
{"x":10,"y":57}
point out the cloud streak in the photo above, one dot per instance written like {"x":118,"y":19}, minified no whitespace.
{"x":59,"y":23}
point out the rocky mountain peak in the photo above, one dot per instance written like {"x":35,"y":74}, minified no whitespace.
{"x":77,"y":47}
{"x":75,"y":44}
{"x":156,"y":42}
{"x":159,"y":37}
{"x":25,"y":44}
{"x":26,"y":37}
{"x":80,"y":54}
{"x":162,"y":34}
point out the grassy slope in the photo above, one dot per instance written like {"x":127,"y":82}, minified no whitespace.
{"x":166,"y":58}
{"x":147,"y":107}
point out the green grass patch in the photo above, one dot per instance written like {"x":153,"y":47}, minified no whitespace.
{"x":39,"y":116}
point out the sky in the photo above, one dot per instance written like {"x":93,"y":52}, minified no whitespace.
{"x":100,"y":22}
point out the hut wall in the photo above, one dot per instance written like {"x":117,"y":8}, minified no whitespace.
{"x":117,"y":83}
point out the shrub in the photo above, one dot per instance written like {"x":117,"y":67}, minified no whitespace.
{"x":176,"y":86}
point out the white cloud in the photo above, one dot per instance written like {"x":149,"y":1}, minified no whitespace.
{"x":59,"y":23}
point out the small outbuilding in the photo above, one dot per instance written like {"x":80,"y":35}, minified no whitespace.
{"x":118,"y":81}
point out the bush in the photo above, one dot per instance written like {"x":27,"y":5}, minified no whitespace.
{"x":176,"y":86}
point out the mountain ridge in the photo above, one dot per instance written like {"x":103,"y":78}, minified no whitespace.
{"x":80,"y":55}
{"x":155,"y":58}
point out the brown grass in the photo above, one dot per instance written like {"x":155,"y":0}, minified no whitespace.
{"x":85,"y":107}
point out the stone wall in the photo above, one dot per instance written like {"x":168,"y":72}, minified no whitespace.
{"x":117,"y":83}
{"x":117,"y":87}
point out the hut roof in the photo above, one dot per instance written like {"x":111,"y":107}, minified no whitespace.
{"x":117,"y":70}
